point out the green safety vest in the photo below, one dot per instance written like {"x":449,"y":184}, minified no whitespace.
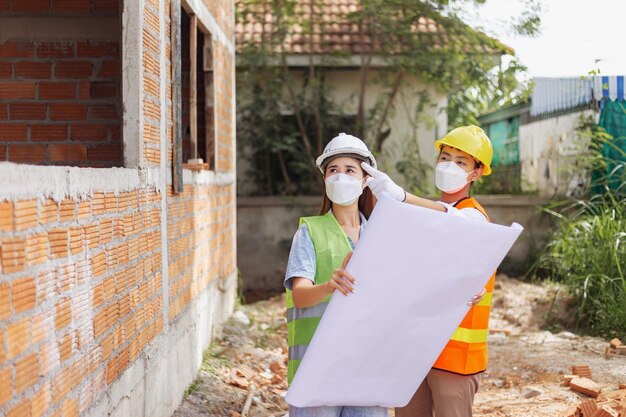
{"x":331,"y":247}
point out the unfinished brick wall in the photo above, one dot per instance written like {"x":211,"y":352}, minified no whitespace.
{"x":80,"y":296}
{"x":99,"y":282}
{"x":60,"y":100}
{"x":224,"y":103}
{"x":200,"y":232}
{"x":151,"y":82}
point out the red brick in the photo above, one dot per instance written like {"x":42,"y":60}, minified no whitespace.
{"x":48,"y":133}
{"x":5,"y":69}
{"x":42,"y":400}
{"x":68,"y":152}
{"x":96,"y":49}
{"x":48,"y":212}
{"x":108,"y":112}
{"x":66,"y":346}
{"x":108,"y":153}
{"x":24,"y":294}
{"x":49,"y":357}
{"x":109,"y":69}
{"x":112,"y":369}
{"x":88,"y":132}
{"x":73,"y":69}
{"x":4,"y":112}
{"x":68,"y":111}
{"x":106,"y":6}
{"x":57,"y":91}
{"x":5,"y":387}
{"x":5,"y":301}
{"x":26,"y":372}
{"x":13,"y":49}
{"x":20,"y":410}
{"x":30,"y":6}
{"x":84,"y":90}
{"x":42,"y":327}
{"x":55,"y":50}
{"x":12,"y":255}
{"x":3,"y":152}
{"x":13,"y":131}
{"x":116,"y":133}
{"x":17,"y":90}
{"x":71,"y":6}
{"x":63,"y":315}
{"x":58,"y":239}
{"x":27,"y":153}
{"x":6,"y":216}
{"x":70,"y":407}
{"x":103,"y":90}
{"x":36,"y":249}
{"x":39,"y":70}
{"x":25,"y":214}
{"x":4,"y":5}
{"x":18,"y":337}
{"x":77,"y":240}
{"x":27,"y":111}
{"x":67,"y":210}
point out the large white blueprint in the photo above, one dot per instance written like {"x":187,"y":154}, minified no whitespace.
{"x":416,"y":269}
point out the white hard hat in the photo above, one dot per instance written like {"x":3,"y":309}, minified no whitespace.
{"x":344,"y":144}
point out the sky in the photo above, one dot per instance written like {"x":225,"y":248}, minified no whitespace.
{"x":574,"y":34}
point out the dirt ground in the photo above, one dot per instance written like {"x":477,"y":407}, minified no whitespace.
{"x":243,"y":373}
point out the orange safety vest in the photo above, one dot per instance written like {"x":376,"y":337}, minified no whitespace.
{"x":466,"y":351}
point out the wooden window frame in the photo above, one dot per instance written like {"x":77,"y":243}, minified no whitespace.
{"x":195,"y":163}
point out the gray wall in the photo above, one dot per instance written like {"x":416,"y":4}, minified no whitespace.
{"x":265,"y":227}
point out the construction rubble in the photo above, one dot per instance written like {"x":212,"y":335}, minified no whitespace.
{"x":244,"y":372}
{"x":604,"y":401}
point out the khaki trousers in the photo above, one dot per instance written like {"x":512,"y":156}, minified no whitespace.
{"x":442,"y":394}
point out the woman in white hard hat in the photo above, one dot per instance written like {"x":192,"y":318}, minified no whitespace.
{"x":320,"y":251}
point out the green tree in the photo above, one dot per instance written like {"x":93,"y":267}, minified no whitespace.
{"x":396,"y":39}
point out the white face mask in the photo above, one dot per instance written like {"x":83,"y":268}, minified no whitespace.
{"x":449,"y":177}
{"x":343,"y":189}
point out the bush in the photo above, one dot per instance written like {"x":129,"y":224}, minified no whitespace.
{"x":588,"y":254}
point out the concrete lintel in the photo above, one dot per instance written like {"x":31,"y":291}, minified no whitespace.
{"x":21,"y":181}
{"x":132,"y":82}
{"x":207,"y":177}
{"x":208,"y":23}
{"x":58,"y":28}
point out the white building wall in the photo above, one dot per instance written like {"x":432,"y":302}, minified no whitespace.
{"x":549,"y":151}
{"x":410,"y":131}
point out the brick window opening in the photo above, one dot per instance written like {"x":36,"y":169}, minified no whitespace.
{"x":60,"y":95}
{"x":198,"y":125}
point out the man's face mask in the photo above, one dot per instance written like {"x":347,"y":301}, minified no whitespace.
{"x":449,"y":177}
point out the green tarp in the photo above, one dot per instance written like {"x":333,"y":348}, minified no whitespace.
{"x":613,"y":120}
{"x":504,"y":136}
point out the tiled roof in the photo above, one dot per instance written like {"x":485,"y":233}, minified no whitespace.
{"x":333,"y":31}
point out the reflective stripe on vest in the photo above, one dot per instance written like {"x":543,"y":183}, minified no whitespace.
{"x":466,"y":351}
{"x":331,"y":247}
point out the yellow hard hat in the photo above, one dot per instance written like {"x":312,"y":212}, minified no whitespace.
{"x":471,"y":139}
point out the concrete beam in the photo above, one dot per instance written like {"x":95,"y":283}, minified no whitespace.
{"x":132,"y":83}
{"x":207,"y":22}
{"x":22,"y":181}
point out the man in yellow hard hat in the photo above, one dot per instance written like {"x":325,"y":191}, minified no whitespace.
{"x":448,"y":390}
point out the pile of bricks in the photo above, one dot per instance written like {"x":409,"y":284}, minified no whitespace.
{"x":602,"y":404}
{"x":616,"y":347}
